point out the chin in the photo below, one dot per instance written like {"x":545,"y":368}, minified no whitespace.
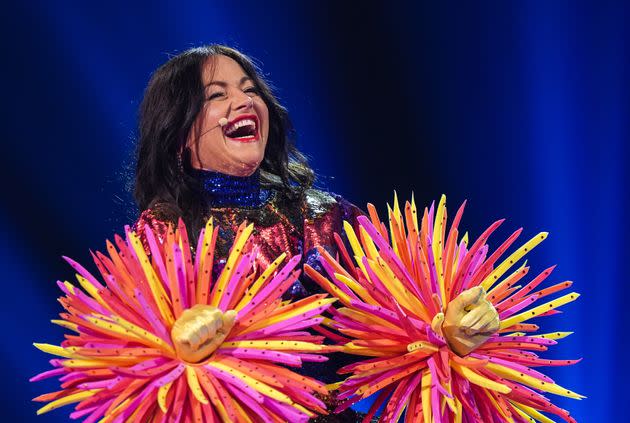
{"x":249,"y":161}
{"x":247,"y":167}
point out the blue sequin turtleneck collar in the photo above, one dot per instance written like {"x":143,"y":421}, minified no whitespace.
{"x":232,"y":191}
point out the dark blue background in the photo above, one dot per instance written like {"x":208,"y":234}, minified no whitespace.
{"x":519,"y":107}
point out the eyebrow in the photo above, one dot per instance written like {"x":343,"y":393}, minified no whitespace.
{"x":223,"y":83}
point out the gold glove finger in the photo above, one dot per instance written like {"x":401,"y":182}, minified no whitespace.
{"x":468,"y":297}
{"x":472,"y":317}
{"x":491,"y":326}
{"x":216,"y":342}
{"x":212,"y":320}
{"x":212,"y":344}
{"x":201,"y":329}
{"x":181,"y":333}
{"x":462,"y":345}
{"x":192,"y":340}
{"x":436,"y":323}
{"x":485,"y":320}
{"x":229,"y":319}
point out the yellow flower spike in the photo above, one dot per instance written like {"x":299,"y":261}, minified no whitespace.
{"x":366,"y":318}
{"x":147,"y":336}
{"x":213,"y":395}
{"x":400,"y":412}
{"x":392,"y":234}
{"x":356,"y":288}
{"x":256,"y":286}
{"x":351,"y":348}
{"x":426,"y":395}
{"x":397,"y":212}
{"x":328,"y":322}
{"x":334,"y":386}
{"x":395,"y":286}
{"x":508,"y":279}
{"x":363,"y":269}
{"x":370,"y":247}
{"x":414,"y":213}
{"x":112,"y":327}
{"x":159,"y":294}
{"x":288,"y":315}
{"x":92,"y":291}
{"x":79,"y":396}
{"x":450,"y":401}
{"x":477,"y":379}
{"x":328,"y":286}
{"x":255,"y":384}
{"x":304,"y":410}
{"x":513,"y":258}
{"x":230,"y":265}
{"x":497,"y":407}
{"x":69,"y":286}
{"x":531,"y":413}
{"x":54,"y":350}
{"x":161,"y":396}
{"x":207,"y":238}
{"x":525,"y":415}
{"x":78,"y":363}
{"x":355,"y":245}
{"x":275,"y":345}
{"x":193,"y":384}
{"x":204,"y":274}
{"x":553,"y":335}
{"x":458,"y":411}
{"x":537,"y":311}
{"x":438,"y":245}
{"x":458,"y":259}
{"x":422,"y":346}
{"x":517,"y":376}
{"x":68,"y":325}
{"x":116,"y":411}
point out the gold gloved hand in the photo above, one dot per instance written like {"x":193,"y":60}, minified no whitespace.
{"x":200,"y":330}
{"x":469,"y":321}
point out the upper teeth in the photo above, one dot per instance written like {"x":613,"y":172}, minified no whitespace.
{"x":240,"y":123}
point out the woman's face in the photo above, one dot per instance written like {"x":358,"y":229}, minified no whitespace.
{"x":238,"y":146}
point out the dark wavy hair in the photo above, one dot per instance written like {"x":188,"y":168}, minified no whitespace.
{"x":172,"y":100}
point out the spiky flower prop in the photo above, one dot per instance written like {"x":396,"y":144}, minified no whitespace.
{"x":400,"y":282}
{"x":121,"y":363}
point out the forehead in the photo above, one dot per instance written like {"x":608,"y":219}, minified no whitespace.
{"x":222,"y":68}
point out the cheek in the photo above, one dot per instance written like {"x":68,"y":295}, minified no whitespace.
{"x":264,"y":114}
{"x":211,"y":117}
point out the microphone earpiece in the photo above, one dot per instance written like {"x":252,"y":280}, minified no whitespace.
{"x":223,"y":121}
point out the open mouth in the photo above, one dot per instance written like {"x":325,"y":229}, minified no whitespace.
{"x":243,"y":128}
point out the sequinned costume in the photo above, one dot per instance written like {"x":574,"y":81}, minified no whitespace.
{"x":281,"y":225}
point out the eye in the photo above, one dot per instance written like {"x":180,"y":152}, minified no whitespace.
{"x":251,"y":90}
{"x":215,"y":95}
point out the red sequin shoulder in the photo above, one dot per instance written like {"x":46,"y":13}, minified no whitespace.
{"x":281,"y":225}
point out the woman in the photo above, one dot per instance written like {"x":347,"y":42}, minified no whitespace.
{"x":214,"y":142}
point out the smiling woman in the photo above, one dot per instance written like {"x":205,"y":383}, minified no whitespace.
{"x":214,"y":142}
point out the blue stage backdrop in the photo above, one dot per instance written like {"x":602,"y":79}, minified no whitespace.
{"x":519,"y":107}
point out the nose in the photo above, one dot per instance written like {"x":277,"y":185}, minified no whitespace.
{"x":243,"y":102}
